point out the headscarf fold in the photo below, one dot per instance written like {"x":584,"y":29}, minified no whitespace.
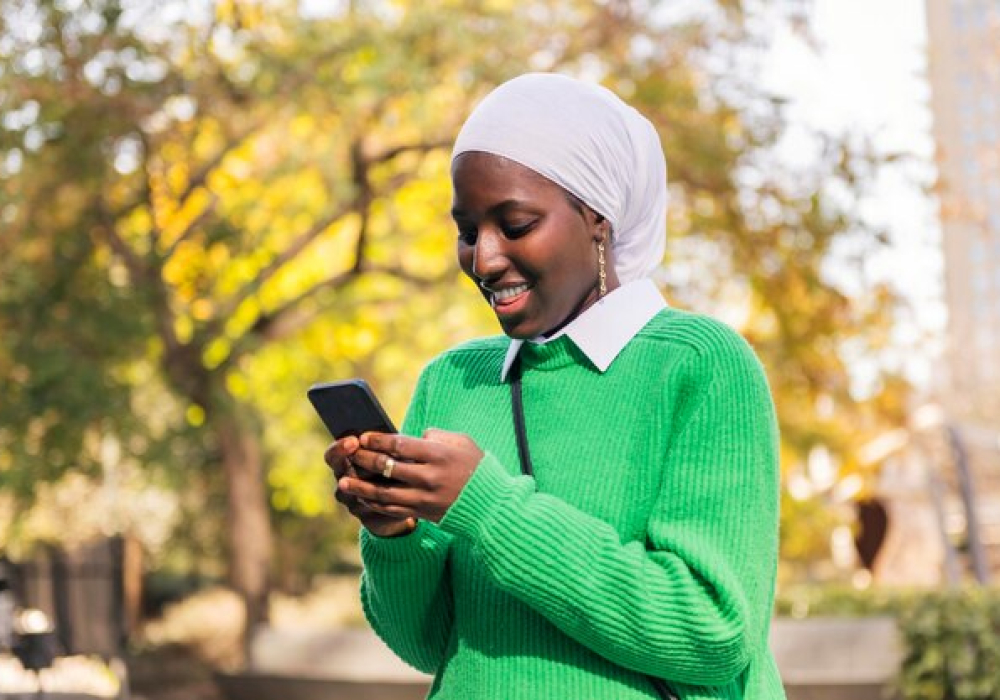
{"x":586,"y":139}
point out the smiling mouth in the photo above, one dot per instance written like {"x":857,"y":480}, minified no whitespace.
{"x":508,"y":295}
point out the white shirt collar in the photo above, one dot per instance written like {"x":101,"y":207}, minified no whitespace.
{"x":602,"y":331}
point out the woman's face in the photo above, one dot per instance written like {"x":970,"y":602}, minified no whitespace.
{"x":529,"y":247}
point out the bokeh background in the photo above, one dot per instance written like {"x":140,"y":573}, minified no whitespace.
{"x":205,"y":207}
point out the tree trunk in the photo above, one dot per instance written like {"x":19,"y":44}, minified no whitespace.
{"x":132,"y":574}
{"x":249,"y":525}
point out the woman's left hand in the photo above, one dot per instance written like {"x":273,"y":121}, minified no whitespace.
{"x":428,"y":473}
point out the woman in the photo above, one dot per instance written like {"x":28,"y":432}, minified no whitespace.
{"x":638,"y":558}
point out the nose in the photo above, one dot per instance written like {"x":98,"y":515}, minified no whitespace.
{"x":489,"y":260}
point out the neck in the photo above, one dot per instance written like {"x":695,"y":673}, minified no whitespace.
{"x":591,"y":298}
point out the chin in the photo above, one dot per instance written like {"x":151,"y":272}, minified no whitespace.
{"x":518,"y":334}
{"x":519,"y":330}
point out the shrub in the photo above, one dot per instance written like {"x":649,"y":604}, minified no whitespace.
{"x":950,"y":639}
{"x":951,"y":643}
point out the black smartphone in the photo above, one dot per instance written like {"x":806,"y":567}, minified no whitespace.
{"x":349,"y":408}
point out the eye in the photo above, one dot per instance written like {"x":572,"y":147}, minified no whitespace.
{"x":511,"y":230}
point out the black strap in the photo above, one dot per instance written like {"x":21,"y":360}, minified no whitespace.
{"x":524,"y":454}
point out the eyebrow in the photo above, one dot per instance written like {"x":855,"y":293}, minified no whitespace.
{"x":499,"y":207}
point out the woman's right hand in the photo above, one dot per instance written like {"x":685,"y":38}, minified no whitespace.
{"x":338,"y":457}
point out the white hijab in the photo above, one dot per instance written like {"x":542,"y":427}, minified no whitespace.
{"x":586,"y":139}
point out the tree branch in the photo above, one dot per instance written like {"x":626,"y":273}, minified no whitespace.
{"x":234,"y":142}
{"x":278,"y":322}
{"x":298,"y":318}
{"x":145,"y":193}
{"x":137,"y":269}
{"x":396,"y":151}
{"x":288,"y":87}
{"x":362,"y":202}
{"x":288,"y":318}
{"x":286,"y":256}
{"x":192,"y":226}
{"x":276,"y":318}
{"x":180,"y":360}
{"x":199,"y":178}
{"x":268,"y":326}
{"x":418,"y":281}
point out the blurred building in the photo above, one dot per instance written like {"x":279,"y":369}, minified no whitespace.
{"x":964,"y":46}
{"x":964,"y":60}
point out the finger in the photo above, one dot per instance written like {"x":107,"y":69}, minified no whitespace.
{"x":380,"y":496}
{"x":402,"y":447}
{"x":357,"y":507}
{"x":353,"y":505}
{"x":373,"y":462}
{"x":385,"y":510}
{"x":396,"y":512}
{"x":343,"y":447}
{"x":377,"y":464}
{"x":363,"y":510}
{"x":347,"y":500}
{"x":336,"y":456}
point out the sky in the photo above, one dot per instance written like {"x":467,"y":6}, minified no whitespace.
{"x":869,"y":75}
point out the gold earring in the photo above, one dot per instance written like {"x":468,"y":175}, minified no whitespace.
{"x":602,"y":272}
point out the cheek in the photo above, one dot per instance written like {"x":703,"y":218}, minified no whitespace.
{"x":569,"y":257}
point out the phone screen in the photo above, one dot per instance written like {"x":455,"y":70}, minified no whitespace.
{"x":349,"y":408}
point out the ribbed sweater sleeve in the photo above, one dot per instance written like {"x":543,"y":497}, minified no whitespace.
{"x":690,"y":604}
{"x":405,"y":590}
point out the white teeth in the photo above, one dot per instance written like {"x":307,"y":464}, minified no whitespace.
{"x":509,"y":292}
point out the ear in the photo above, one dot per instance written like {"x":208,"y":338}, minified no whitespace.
{"x":601,"y":227}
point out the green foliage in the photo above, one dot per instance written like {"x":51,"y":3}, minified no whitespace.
{"x":952,"y":646}
{"x":805,"y":526}
{"x":828,"y":600}
{"x":950,"y":639}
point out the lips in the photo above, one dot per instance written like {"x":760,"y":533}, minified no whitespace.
{"x":507,"y":300}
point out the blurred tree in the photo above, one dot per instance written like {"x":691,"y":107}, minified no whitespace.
{"x":207,"y":208}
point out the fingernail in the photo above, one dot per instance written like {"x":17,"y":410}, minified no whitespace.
{"x":364,"y":440}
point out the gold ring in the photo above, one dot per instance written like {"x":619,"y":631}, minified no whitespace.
{"x":390,"y":464}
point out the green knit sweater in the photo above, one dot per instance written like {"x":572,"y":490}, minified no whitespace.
{"x":645,"y":544}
